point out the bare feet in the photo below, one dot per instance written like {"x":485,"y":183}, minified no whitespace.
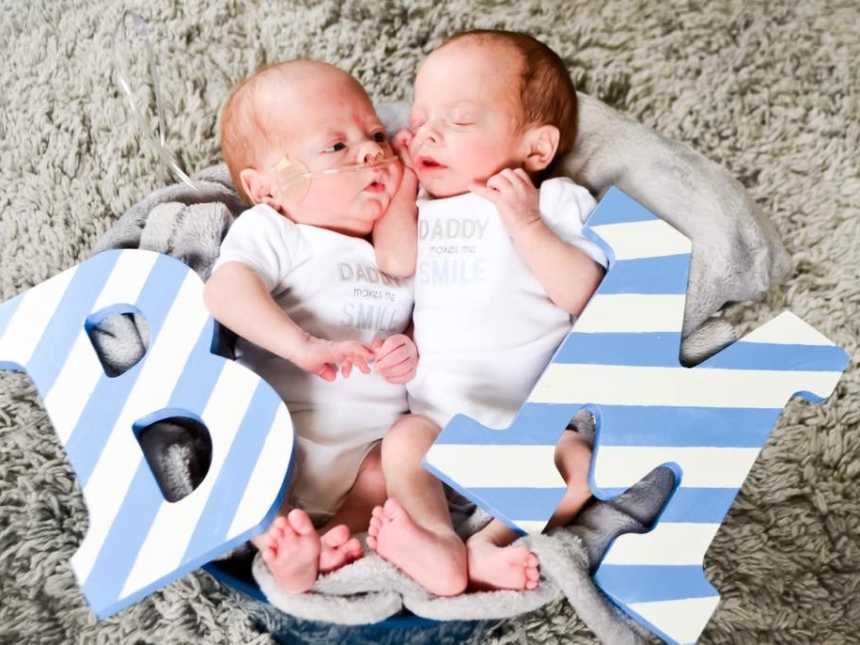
{"x":501,"y":567}
{"x":338,"y":548}
{"x":291,"y":549}
{"x":436,"y":562}
{"x":295,"y":553}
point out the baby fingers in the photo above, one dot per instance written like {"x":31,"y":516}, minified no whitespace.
{"x":400,"y":373}
{"x":394,"y":358}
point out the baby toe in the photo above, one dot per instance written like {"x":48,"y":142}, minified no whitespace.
{"x":336,"y":536}
{"x":300,"y":521}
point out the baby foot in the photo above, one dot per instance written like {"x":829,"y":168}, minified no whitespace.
{"x":291,"y":550}
{"x":436,"y":562}
{"x":501,"y":567}
{"x":338,"y":548}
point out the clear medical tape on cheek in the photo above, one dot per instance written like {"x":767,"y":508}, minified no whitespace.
{"x":133,"y":32}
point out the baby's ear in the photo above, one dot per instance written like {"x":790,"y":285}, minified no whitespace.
{"x":541,"y":145}
{"x":257,"y":186}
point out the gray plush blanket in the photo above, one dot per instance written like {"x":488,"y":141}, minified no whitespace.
{"x":736,"y":256}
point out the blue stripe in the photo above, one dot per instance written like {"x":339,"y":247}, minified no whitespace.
{"x":698,"y":505}
{"x":233,"y":479}
{"x":659,"y":275}
{"x":7,"y":312}
{"x":639,"y":425}
{"x":627,"y":584}
{"x":617,"y":208}
{"x":68,"y":320}
{"x":642,"y":349}
{"x":530,"y":504}
{"x":144,"y":499}
{"x":200,"y":374}
{"x":662,"y":349}
{"x":109,"y":396}
{"x":773,"y":356}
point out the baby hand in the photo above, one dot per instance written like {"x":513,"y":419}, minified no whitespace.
{"x":396,"y":358}
{"x":401,"y":142}
{"x":514,"y":196}
{"x":324,"y":357}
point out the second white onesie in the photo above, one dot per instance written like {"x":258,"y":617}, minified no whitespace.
{"x":484,"y":326}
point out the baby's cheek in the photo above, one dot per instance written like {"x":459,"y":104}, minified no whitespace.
{"x":486,"y":159}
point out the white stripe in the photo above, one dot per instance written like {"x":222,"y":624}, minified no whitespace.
{"x":108,"y":485}
{"x":627,"y":312}
{"x":649,"y":239}
{"x":267,"y":476}
{"x":127,"y":279}
{"x":531,"y":527}
{"x":476,"y":466}
{"x":668,"y":543}
{"x":682,"y":620}
{"x":677,"y":386}
{"x":787,"y":329}
{"x":82,"y":370}
{"x":31,"y":318}
{"x":623,"y":466}
{"x":172,"y":528}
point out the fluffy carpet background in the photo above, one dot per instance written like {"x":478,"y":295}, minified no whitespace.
{"x":767,"y":89}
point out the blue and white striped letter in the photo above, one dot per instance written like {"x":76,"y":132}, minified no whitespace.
{"x":621,"y":361}
{"x":137,"y":542}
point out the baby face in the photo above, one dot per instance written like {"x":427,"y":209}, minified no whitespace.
{"x":320,"y":121}
{"x":466,"y":117}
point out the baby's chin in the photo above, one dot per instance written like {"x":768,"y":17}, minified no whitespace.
{"x":373,"y":207}
{"x":440,"y":188}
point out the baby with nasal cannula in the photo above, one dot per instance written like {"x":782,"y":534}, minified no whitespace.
{"x":297,"y":280}
{"x":500,"y":267}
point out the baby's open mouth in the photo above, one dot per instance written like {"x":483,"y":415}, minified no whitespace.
{"x":375,"y":186}
{"x":428,"y":163}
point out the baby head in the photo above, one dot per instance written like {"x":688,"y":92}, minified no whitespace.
{"x":485,"y":101}
{"x":316,"y":118}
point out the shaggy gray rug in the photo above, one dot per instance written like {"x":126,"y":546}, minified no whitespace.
{"x":769,"y":91}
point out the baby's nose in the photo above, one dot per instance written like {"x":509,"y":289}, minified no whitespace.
{"x":371,"y":151}
{"x":425,"y":132}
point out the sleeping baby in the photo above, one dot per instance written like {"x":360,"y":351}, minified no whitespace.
{"x":500,"y":268}
{"x":297,"y":280}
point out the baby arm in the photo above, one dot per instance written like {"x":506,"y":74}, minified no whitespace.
{"x":238,"y":298}
{"x":552,"y":260}
{"x":395,"y":235}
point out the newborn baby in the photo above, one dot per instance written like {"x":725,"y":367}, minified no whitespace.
{"x":297,"y":280}
{"x":501,"y":267}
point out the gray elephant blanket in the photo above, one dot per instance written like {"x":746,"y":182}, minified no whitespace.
{"x":736,"y":256}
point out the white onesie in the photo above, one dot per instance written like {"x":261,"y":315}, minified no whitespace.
{"x":484,"y":326}
{"x":329,"y":285}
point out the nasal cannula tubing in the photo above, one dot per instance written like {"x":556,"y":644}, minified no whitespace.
{"x":134,"y":28}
